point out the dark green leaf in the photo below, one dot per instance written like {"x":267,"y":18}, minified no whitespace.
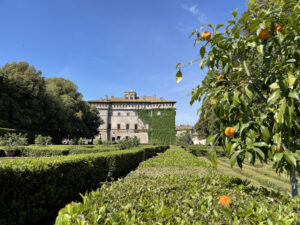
{"x":178,"y":76}
{"x":202,"y":51}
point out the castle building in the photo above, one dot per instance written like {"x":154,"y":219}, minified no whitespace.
{"x":121,"y":119}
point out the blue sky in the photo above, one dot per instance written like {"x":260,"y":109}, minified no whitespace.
{"x":110,"y":46}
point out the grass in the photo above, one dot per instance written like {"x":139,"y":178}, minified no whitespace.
{"x":259,"y":175}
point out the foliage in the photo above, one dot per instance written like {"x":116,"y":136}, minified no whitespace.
{"x":12,"y":140}
{"x":258,"y":94}
{"x":30,"y":102}
{"x":42,"y":140}
{"x":98,"y":141}
{"x":129,"y":143}
{"x":178,"y":196}
{"x":34,"y":189}
{"x":81,"y":142}
{"x":184,"y":138}
{"x":206,"y":125}
{"x":162,"y":125}
{"x":73,"y":141}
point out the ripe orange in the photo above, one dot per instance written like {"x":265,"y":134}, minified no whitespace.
{"x":239,"y":93}
{"x":206,"y":35}
{"x":277,"y":28}
{"x":280,"y":150}
{"x":229,"y":131}
{"x":220,"y":77}
{"x":225,"y":200}
{"x":264,"y":34}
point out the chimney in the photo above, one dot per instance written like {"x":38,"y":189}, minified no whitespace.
{"x":106,"y":97}
{"x":112,"y":96}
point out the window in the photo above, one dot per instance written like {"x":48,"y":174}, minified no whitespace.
{"x":113,"y":139}
{"x":126,"y":137}
{"x":127,"y":126}
{"x":119,"y":126}
{"x":127,"y":114}
{"x":119,"y":114}
{"x":118,"y":138}
{"x":136,"y":113}
{"x":131,"y":97}
{"x":109,"y":126}
{"x":135,"y":126}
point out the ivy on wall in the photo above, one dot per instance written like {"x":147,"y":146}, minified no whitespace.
{"x":162,"y":124}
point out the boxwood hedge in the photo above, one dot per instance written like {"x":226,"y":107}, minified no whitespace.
{"x":174,"y":197}
{"x":34,"y":189}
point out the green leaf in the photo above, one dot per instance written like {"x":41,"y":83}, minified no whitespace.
{"x":178,"y":76}
{"x":291,"y":60}
{"x":249,"y":91}
{"x":260,"y":152}
{"x":281,"y":111}
{"x":197,"y":41}
{"x":202,"y":64}
{"x":233,"y":159}
{"x":202,"y":51}
{"x":219,"y":26}
{"x":249,"y":157}
{"x":274,"y":96}
{"x":290,"y":158}
{"x":211,"y":138}
{"x":265,"y":132}
{"x":294,"y":94}
{"x":291,"y":79}
{"x":274,"y":86}
{"x":260,"y":49}
{"x":178,"y":64}
{"x":260,"y":144}
{"x":277,"y":157}
{"x":234,"y":13}
{"x":213,"y":158}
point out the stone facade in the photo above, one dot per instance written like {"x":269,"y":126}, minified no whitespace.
{"x":187,"y":128}
{"x":120,"y":117}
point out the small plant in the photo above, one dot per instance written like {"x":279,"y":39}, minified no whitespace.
{"x":184,"y":138}
{"x":129,"y":143}
{"x":42,"y":140}
{"x":81,"y":142}
{"x":73,"y":142}
{"x":98,"y":141}
{"x":11,"y":141}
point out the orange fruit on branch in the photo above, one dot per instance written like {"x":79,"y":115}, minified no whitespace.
{"x":229,"y":131}
{"x":264,"y":34}
{"x":278,"y":27}
{"x":239,"y":93}
{"x":280,"y":150}
{"x":206,"y":35}
{"x":220,"y":77}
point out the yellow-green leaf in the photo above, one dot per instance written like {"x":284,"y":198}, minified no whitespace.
{"x":178,"y":76}
{"x":291,"y":79}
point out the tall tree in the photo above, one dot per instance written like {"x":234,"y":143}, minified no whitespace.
{"x":21,"y":96}
{"x":253,"y":78}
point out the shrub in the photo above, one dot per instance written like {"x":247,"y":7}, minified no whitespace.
{"x":42,"y":140}
{"x":13,"y":140}
{"x":98,"y":141}
{"x":81,"y":142}
{"x":73,"y":142}
{"x":129,"y":143}
{"x":34,"y":189}
{"x":184,"y":138}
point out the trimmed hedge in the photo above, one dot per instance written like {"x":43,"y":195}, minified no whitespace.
{"x":56,"y":139}
{"x":32,"y":190}
{"x":174,"y":197}
{"x":204,"y":150}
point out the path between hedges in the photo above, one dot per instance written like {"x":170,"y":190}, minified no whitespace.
{"x":260,"y":175}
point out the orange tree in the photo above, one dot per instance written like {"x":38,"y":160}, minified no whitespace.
{"x":252,"y":84}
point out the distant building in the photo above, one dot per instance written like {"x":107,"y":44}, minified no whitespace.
{"x":121,"y":118}
{"x":189,"y":129}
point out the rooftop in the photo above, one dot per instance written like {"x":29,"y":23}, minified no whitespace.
{"x":184,"y":127}
{"x":131,"y":96}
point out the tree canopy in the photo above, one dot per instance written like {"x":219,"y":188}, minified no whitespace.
{"x":252,"y":84}
{"x":30,"y":102}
